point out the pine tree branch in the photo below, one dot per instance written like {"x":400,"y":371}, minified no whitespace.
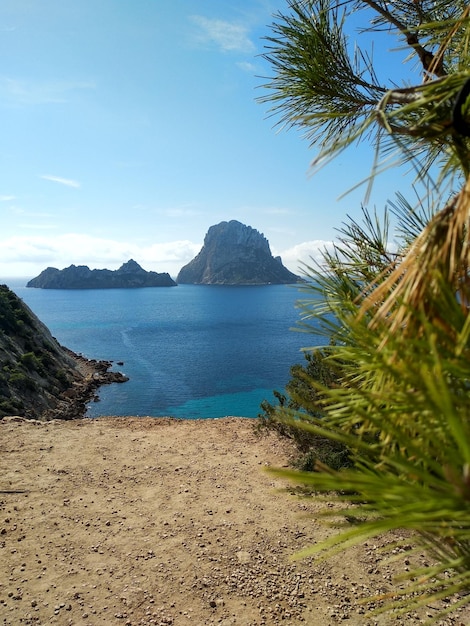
{"x":406,"y":95}
{"x":432,"y":64}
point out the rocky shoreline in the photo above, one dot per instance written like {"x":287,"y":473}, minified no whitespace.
{"x":89,"y":377}
{"x":40,"y":379}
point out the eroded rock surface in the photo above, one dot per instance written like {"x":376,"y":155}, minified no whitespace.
{"x":235,"y":254}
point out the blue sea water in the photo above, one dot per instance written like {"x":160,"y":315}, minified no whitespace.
{"x":190,"y":351}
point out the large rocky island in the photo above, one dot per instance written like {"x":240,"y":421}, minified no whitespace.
{"x":235,"y":254}
{"x":129,"y":275}
{"x":39,"y":378}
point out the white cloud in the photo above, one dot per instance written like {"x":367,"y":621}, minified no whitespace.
{"x":308,"y":253}
{"x":63,"y":181}
{"x":37,"y":226}
{"x":32,"y":92}
{"x":228,"y":36}
{"x":246,"y":66}
{"x":277,"y":211}
{"x":181,"y":212}
{"x":28,"y":256}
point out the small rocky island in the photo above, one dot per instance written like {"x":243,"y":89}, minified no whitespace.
{"x":129,"y":276}
{"x":39,"y":378}
{"x":235,"y":254}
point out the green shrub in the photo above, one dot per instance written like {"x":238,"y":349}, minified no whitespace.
{"x":10,"y":407}
{"x":30,"y":361}
{"x":22,"y":381}
{"x":306,"y":398}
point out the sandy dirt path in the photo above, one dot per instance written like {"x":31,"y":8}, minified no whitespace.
{"x":140,"y":521}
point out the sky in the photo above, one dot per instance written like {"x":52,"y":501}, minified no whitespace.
{"x":129,"y":127}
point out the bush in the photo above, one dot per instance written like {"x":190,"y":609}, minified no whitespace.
{"x":31,"y":361}
{"x":303,"y":398}
{"x":10,"y":407}
{"x":22,"y":381}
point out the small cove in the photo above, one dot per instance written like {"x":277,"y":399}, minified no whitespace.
{"x":190,"y":351}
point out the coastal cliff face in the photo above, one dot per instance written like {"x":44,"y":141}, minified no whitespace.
{"x":39,"y":378}
{"x":235,"y":254}
{"x":129,"y":275}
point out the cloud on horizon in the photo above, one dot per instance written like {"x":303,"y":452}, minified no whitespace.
{"x":303,"y":254}
{"x":29,"y":255}
{"x":62,"y":181}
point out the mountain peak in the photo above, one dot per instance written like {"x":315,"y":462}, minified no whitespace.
{"x":235,"y":254}
{"x":130,"y":267}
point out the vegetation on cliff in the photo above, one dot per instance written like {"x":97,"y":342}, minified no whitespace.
{"x":38,"y":377}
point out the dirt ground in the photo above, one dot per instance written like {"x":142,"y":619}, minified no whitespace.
{"x":140,"y":521}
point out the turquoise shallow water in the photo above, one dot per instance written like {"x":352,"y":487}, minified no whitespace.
{"x":189,"y":351}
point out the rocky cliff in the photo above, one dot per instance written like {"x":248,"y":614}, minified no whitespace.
{"x":129,"y":275}
{"x":235,"y":254}
{"x":39,"y":378}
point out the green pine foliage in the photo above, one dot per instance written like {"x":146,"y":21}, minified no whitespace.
{"x":395,"y":318}
{"x":305,"y":398}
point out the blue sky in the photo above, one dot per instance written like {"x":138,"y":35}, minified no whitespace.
{"x":129,"y":127}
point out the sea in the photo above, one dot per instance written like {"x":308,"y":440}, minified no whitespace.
{"x":191,"y":351}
